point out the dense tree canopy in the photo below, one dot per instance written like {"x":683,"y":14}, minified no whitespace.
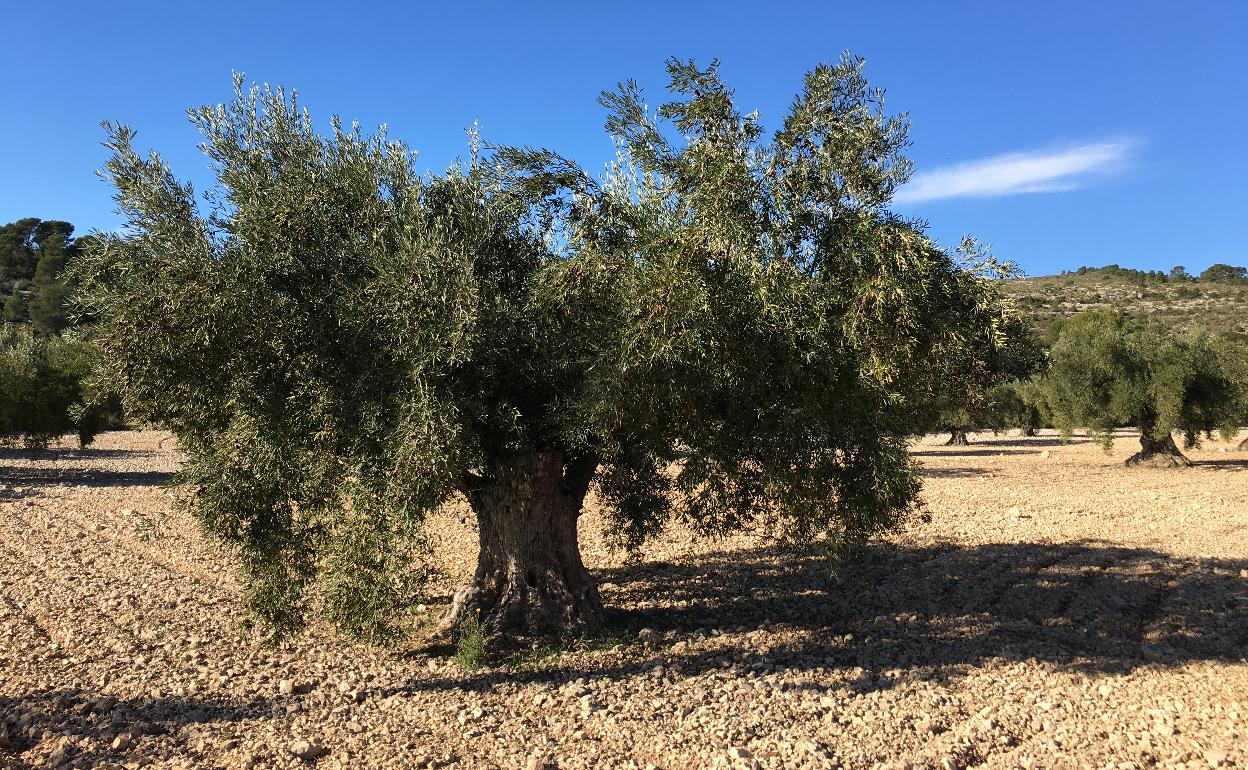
{"x":1215,"y":273}
{"x":34,"y":255}
{"x":727,"y":328}
{"x":975,"y":382}
{"x":1107,"y":371}
{"x":1233,"y":352}
{"x":46,"y":389}
{"x":1222,"y":273}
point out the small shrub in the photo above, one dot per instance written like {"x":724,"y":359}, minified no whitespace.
{"x":470,"y":646}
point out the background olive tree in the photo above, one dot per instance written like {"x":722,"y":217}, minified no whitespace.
{"x":976,"y":381}
{"x":1233,"y":351}
{"x":47,"y":389}
{"x":1108,"y":371}
{"x":727,"y":328}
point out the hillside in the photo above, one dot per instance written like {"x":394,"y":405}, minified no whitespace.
{"x":1183,"y":302}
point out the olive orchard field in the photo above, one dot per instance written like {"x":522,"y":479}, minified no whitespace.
{"x":1058,"y":610}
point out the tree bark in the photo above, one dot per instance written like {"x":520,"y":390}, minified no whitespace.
{"x":1029,"y":431}
{"x":958,"y":438}
{"x":1158,"y":453}
{"x":530,"y":580}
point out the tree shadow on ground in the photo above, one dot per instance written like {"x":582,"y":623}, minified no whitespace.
{"x":1017,"y":442}
{"x":91,"y":722}
{"x":974,"y":450}
{"x":60,"y":453}
{"x":34,"y":479}
{"x":919,"y":612}
{"x":1221,"y":465}
{"x":954,"y":473}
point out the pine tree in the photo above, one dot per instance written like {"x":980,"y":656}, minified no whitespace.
{"x":48,"y":310}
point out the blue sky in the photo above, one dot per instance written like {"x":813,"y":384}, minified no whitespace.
{"x":1063,"y":133}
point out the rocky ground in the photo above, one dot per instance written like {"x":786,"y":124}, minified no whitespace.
{"x":1058,"y":610}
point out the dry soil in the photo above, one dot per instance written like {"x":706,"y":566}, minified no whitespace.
{"x":1058,"y":610}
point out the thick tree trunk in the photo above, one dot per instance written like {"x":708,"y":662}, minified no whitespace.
{"x":530,"y":580}
{"x":1158,"y":453}
{"x":1029,"y":431}
{"x":958,"y":438}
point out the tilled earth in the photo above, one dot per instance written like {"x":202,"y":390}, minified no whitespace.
{"x":1058,"y":610}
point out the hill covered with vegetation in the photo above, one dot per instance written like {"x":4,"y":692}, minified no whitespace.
{"x":1214,"y":299}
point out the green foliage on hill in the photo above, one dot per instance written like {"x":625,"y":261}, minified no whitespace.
{"x":1214,"y":300}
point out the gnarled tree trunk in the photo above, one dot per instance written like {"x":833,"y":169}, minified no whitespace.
{"x":957,"y":438}
{"x":1157,"y":453}
{"x":530,"y":580}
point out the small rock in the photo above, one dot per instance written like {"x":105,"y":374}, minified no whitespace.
{"x":62,"y":754}
{"x":1243,"y":573}
{"x":306,"y":750}
{"x":1215,"y":757}
{"x":647,"y":636}
{"x":1044,"y":455}
{"x":739,"y":752}
{"x":1164,"y":730}
{"x":537,"y":762}
{"x":927,"y":727}
{"x":285,"y":687}
{"x":123,"y":742}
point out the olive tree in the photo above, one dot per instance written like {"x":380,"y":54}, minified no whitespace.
{"x":1234,"y":353}
{"x":1107,"y":371}
{"x":46,"y":389}
{"x":725,"y":328}
{"x":975,"y":381}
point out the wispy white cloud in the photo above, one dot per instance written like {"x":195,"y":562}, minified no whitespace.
{"x":1018,"y":172}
